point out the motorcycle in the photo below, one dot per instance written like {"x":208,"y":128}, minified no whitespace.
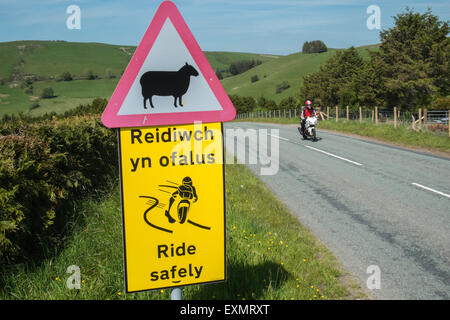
{"x":183,"y":209}
{"x":310,"y":128}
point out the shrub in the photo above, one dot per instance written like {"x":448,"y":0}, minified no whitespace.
{"x":65,"y":76}
{"x":44,"y":166}
{"x":442,"y":103}
{"x":254,"y":78}
{"x":282,"y":86}
{"x":47,"y":93}
{"x":90,"y":75}
{"x":28,"y":89}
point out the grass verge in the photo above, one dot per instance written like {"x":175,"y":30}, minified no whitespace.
{"x":269,"y":255}
{"x":401,"y":135}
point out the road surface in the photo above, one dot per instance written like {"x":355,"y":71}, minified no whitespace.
{"x":370,"y":204}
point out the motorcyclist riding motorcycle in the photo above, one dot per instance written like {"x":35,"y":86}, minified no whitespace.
{"x":186,"y":191}
{"x":307,"y":111}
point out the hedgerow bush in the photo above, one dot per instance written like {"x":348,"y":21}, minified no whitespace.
{"x":45,"y":165}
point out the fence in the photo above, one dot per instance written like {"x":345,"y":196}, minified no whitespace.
{"x":416,"y":120}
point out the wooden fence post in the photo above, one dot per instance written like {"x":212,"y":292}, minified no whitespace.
{"x":448,"y":122}
{"x":347,"y":110}
{"x":328,"y":113}
{"x":360,"y":114}
{"x":395,"y":117}
{"x":373,"y":115}
{"x":420,"y":119}
{"x":376,"y":115}
{"x":337,"y":113}
{"x":425,"y":115}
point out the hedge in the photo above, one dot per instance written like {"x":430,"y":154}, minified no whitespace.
{"x":45,"y":165}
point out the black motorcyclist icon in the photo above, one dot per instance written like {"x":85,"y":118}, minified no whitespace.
{"x":185,"y":194}
{"x":186,"y":191}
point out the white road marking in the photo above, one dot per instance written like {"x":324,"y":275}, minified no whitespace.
{"x":430,"y":189}
{"x":327,"y":153}
{"x":274,"y":135}
{"x":335,"y":156}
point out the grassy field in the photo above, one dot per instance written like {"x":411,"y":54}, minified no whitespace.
{"x":269,"y":255}
{"x":49,"y":59}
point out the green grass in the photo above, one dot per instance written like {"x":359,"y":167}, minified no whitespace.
{"x":72,"y":93}
{"x":68,"y":94}
{"x":269,"y":255}
{"x":51,"y":58}
{"x":10,"y":57}
{"x":13,"y":100}
{"x":386,"y":132}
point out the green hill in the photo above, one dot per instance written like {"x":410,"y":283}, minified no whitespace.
{"x":41,"y":63}
{"x":44,"y":61}
{"x":291,"y":69}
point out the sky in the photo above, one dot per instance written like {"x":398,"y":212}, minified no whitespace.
{"x":259,"y":26}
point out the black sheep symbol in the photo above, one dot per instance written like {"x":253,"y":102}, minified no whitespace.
{"x":167,"y":83}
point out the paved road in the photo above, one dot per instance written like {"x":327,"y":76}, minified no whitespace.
{"x":370,"y":204}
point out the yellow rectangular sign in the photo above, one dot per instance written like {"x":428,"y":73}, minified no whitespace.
{"x":173,"y":205}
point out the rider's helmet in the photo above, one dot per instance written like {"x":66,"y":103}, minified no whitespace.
{"x":308,"y":104}
{"x":187,"y":180}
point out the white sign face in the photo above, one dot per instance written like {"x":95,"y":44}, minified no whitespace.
{"x":168,"y":55}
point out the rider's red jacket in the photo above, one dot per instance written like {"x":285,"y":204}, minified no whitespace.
{"x":307,"y":112}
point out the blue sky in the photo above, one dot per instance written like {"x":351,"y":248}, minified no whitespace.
{"x":262,"y":26}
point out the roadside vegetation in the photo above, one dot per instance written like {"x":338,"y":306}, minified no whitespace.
{"x":60,"y":207}
{"x":269,"y":254}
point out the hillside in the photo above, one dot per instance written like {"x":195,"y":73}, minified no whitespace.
{"x":45,"y":61}
{"x":291,"y":68}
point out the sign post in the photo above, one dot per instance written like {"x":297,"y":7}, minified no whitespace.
{"x":169,"y":107}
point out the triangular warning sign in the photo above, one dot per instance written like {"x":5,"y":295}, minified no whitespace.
{"x":168,"y":80}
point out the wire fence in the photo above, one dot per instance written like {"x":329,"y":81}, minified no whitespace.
{"x":430,"y":120}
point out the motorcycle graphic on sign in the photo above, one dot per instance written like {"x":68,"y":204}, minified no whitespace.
{"x":184,"y":195}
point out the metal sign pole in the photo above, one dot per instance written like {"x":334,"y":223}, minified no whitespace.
{"x":176,"y":294}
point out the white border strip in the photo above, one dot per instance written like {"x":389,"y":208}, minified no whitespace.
{"x":430,"y":189}
{"x":335,"y":156}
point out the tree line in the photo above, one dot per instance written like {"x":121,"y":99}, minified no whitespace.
{"x":409,"y":70}
{"x":316,"y":46}
{"x":249,"y":104}
{"x":237,"y":67}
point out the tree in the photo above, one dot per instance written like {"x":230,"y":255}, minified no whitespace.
{"x":282,"y":86}
{"x":47,"y":93}
{"x":238,"y":67}
{"x":288,"y":103}
{"x":243,"y":104}
{"x":413,"y":60}
{"x":254,"y":78}
{"x":65,"y":76}
{"x":90,"y":75}
{"x":332,"y":83}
